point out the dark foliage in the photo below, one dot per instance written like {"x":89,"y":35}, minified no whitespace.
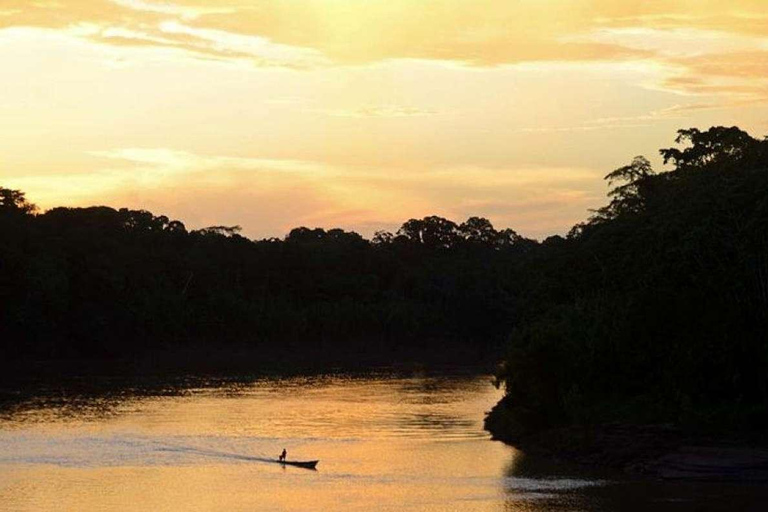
{"x":655,"y":309}
{"x":99,"y":282}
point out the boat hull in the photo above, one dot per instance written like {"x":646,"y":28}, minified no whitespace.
{"x":308,"y":464}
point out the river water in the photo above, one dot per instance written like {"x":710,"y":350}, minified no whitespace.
{"x":386,"y":441}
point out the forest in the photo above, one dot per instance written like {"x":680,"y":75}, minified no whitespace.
{"x":104,"y":283}
{"x":654,"y":309}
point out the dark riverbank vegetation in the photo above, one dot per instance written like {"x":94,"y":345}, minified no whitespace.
{"x":654,"y":310}
{"x":102,"y":283}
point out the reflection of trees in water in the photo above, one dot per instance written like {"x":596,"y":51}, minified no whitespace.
{"x":61,"y":407}
{"x":436,"y":390}
{"x":436,"y":400}
{"x":632,"y":495}
{"x":535,"y":484}
{"x":541,"y":484}
{"x":437,"y":421}
{"x":77,"y":398}
{"x":410,"y":403}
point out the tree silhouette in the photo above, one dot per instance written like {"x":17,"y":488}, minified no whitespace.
{"x":433,"y":231}
{"x":14,"y":201}
{"x":718,"y":143}
{"x":628,"y":197}
{"x":478,"y":230}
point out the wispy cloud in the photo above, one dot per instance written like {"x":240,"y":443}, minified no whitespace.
{"x":185,"y":12}
{"x":260,"y":49}
{"x":384,"y":111}
{"x":697,"y":61}
{"x":674,"y":42}
{"x":610,"y":123}
{"x":162,"y":25}
{"x":158,"y":163}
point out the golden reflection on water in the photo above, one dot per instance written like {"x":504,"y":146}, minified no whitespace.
{"x":385,"y":442}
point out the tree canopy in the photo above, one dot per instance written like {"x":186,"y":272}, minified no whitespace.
{"x":104,"y":282}
{"x":655,"y":309}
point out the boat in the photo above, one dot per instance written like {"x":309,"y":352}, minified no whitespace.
{"x":308,"y":464}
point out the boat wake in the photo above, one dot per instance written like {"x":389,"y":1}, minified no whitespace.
{"x":118,"y":450}
{"x":214,"y":453}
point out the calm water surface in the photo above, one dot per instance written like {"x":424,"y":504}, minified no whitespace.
{"x":385,"y":441}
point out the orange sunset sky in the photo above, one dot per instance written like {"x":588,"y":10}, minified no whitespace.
{"x":363,"y":113}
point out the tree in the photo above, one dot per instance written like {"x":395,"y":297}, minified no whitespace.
{"x":341,"y":236}
{"x":143,"y":221}
{"x":176,"y":226}
{"x":305,"y":235}
{"x":227,"y":231}
{"x":14,"y":201}
{"x":715,"y":144}
{"x":509,"y":238}
{"x":478,"y":230}
{"x":629,"y":196}
{"x":433,"y":231}
{"x":382,"y":238}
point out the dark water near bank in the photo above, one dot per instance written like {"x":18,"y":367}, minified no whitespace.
{"x":385,"y":440}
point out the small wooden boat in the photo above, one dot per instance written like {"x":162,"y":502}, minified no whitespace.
{"x":308,"y":464}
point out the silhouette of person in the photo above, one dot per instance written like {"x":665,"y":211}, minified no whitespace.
{"x":282,"y":456}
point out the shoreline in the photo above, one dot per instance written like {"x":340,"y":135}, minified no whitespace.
{"x":646,"y":450}
{"x":199,"y":367}
{"x":289,"y":358}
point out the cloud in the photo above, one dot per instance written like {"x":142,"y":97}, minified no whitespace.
{"x":674,"y":112}
{"x":182,"y":11}
{"x":724,"y":47}
{"x":699,"y":61}
{"x":482,"y":33}
{"x":383,"y":111}
{"x":259,"y":49}
{"x":716,"y":49}
{"x":162,"y":163}
{"x":162,"y":25}
{"x":674,"y":41}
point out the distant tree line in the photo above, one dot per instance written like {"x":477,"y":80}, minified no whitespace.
{"x":100,"y":282}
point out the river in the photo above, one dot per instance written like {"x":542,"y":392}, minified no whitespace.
{"x":386,"y":441}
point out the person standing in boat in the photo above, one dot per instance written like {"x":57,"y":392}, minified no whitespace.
{"x":282,"y":456}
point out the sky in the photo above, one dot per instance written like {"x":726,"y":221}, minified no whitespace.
{"x":361,"y":114}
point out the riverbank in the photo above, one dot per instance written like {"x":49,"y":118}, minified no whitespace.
{"x":283,"y":359}
{"x":659,"y":451}
{"x":171,"y":369}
